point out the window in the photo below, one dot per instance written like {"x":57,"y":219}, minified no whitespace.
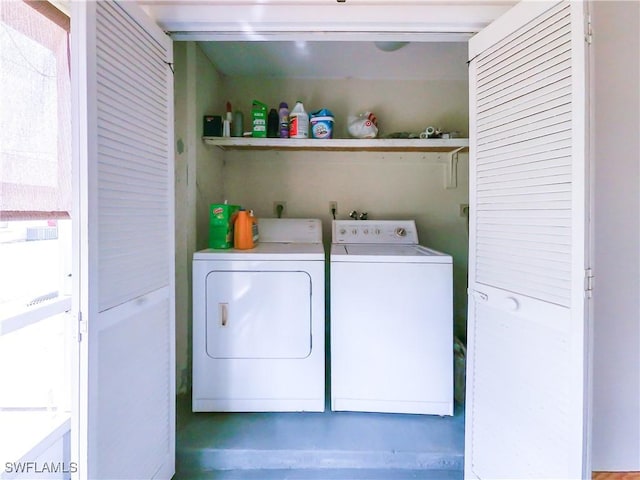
{"x":35,"y":225}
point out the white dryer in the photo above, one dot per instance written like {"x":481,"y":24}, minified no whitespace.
{"x":391,"y":320}
{"x":258,"y":322}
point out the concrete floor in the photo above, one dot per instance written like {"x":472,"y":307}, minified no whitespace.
{"x":330,"y":445}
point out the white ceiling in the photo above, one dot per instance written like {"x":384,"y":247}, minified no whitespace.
{"x":256,"y":17}
{"x":303,"y":59}
{"x":329,"y":38}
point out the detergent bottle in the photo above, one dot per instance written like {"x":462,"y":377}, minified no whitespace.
{"x":245,"y":235}
{"x":283,"y":117}
{"x":298,"y":122}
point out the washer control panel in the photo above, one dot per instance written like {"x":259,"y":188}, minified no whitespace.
{"x":395,"y":232}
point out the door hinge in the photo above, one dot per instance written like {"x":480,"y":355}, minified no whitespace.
{"x":589,"y":31}
{"x":588,"y":282}
{"x":82,"y":326}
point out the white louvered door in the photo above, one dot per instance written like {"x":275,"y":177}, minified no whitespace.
{"x":526,"y":336}
{"x":123,"y":94}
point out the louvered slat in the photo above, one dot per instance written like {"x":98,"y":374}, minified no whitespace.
{"x":497,"y":55}
{"x":133,"y":152}
{"x":551,"y":119}
{"x":524,"y":191}
{"x":548,"y":61}
{"x":553,"y":99}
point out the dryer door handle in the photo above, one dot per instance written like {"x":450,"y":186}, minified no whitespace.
{"x":224,"y":314}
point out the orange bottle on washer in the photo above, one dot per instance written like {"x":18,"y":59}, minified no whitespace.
{"x":245,"y":231}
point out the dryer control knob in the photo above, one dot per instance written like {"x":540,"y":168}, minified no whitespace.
{"x":401,"y":232}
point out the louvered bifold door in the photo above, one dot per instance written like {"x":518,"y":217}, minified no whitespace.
{"x":124,"y":119}
{"x":527,"y":264}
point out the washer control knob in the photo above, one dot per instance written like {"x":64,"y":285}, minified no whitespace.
{"x":365,"y":231}
{"x":343,"y":231}
{"x":401,"y":232}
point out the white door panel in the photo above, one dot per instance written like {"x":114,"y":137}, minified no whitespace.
{"x":525,"y":433}
{"x":123,"y":91}
{"x":526,"y":336}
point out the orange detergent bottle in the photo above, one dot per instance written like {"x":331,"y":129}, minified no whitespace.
{"x":245,"y":234}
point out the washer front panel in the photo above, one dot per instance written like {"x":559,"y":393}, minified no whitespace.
{"x":392,"y":337}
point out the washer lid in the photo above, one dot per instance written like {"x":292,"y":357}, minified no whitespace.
{"x":387,"y":253}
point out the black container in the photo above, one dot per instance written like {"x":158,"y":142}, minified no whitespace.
{"x":212,"y":126}
{"x":273,"y":124}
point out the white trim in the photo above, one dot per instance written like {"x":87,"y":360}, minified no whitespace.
{"x":434,"y":144}
{"x":590,"y":238}
{"x":471,"y":269}
{"x":83,"y":68}
{"x":580,"y":254}
{"x":55,"y":435}
{"x":324,"y":36}
{"x":111,"y":317}
{"x":62,"y":5}
{"x":37,"y":313}
{"x":260,"y":18}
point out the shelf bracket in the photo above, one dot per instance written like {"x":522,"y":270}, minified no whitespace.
{"x":451,"y":180}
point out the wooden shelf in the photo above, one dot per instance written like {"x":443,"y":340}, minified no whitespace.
{"x":451,"y":147}
{"x":341,"y":144}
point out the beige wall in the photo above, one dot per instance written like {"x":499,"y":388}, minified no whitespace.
{"x":198,"y":177}
{"x":409,"y":105}
{"x":616,"y":368}
{"x":386,"y":185}
{"x":210,"y":98}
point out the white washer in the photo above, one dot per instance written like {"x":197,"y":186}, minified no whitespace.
{"x":391,"y":320}
{"x":258,"y":322}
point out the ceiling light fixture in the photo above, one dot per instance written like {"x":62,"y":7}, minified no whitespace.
{"x":390,"y":46}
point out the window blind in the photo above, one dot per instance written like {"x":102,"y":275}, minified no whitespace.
{"x":35,"y":112}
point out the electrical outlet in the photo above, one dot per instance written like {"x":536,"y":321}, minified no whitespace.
{"x":333,"y":208}
{"x":279,"y":207}
{"x":464,"y":209}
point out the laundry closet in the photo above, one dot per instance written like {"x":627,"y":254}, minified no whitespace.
{"x":419,"y":85}
{"x":416,"y":86}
